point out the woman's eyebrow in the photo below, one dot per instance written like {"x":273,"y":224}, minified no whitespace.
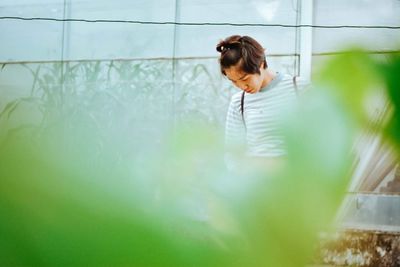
{"x":241,"y":78}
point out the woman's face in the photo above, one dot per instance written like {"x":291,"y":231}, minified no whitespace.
{"x":251,"y":83}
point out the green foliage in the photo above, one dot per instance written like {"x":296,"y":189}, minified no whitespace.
{"x":350,"y":77}
{"x":74,"y":195}
{"x":356,"y":78}
{"x":58,"y":212}
{"x":390,"y":71}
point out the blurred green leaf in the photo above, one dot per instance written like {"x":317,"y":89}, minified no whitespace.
{"x":390,"y":70}
{"x":351,"y":76}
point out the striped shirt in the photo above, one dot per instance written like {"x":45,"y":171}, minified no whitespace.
{"x":259,"y":133}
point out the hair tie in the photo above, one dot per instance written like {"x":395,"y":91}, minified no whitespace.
{"x":222,"y":48}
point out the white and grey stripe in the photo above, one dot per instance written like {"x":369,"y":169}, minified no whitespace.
{"x":260,"y":135}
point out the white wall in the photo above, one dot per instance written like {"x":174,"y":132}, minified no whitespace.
{"x":356,"y":12}
{"x":41,"y":40}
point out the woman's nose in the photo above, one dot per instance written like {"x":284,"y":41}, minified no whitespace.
{"x":241,"y":85}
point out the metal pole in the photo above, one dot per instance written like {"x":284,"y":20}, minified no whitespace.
{"x":306,"y":39}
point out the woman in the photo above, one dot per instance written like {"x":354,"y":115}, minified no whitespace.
{"x":252,"y":123}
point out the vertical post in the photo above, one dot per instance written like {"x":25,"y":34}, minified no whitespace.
{"x":64,"y":46}
{"x":66,"y":30}
{"x":306,"y":15}
{"x":175,"y":64}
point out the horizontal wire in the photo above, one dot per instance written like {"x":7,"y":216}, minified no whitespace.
{"x":200,"y":23}
{"x":183,"y":58}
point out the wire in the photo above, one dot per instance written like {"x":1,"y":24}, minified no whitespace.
{"x":202,"y":23}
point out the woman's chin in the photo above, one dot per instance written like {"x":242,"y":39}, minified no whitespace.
{"x":251,"y":91}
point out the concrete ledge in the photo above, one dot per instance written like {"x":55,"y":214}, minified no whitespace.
{"x":359,"y":248}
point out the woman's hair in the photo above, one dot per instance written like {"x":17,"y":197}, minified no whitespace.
{"x":243,"y":50}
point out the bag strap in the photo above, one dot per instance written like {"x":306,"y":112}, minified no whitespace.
{"x":242,"y":108}
{"x":295,"y":85}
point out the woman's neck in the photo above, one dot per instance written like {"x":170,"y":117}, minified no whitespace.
{"x":269,"y":75}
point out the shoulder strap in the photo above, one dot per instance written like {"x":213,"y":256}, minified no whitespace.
{"x":242,"y":108}
{"x":295,"y":85}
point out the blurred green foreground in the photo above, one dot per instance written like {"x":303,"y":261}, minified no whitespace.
{"x":62,"y":205}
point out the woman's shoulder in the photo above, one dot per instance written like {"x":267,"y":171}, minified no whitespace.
{"x":236,"y":97}
{"x":235,"y":102}
{"x":298,"y":79}
{"x":289,"y":80}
